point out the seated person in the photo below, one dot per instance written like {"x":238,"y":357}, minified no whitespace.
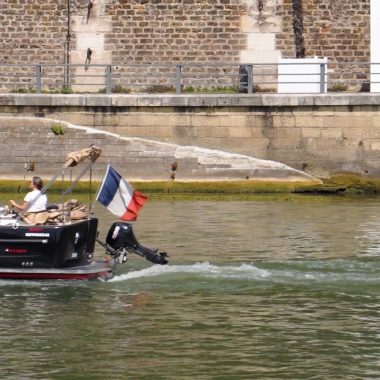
{"x":39,"y":205}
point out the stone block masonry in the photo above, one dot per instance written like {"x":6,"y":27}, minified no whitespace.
{"x":175,"y":31}
{"x":334,"y":29}
{"x":25,"y":140}
{"x":31,"y":32}
{"x":338,"y":30}
{"x":322,"y":134}
{"x":170,"y":31}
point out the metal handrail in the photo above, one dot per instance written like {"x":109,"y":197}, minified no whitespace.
{"x":40,"y":76}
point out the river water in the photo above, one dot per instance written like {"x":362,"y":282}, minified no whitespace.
{"x":255,"y":289}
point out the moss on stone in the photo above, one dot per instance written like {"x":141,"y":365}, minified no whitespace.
{"x":201,"y":187}
{"x":347,"y":183}
{"x":22,"y":186}
{"x":355,"y":183}
{"x":221,"y":187}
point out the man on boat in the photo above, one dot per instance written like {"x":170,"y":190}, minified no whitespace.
{"x":33,"y":201}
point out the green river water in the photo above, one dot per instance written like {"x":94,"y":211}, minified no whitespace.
{"x":286,"y":289}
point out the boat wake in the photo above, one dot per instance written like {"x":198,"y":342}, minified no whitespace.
{"x":340,"y":271}
{"x":199,"y":269}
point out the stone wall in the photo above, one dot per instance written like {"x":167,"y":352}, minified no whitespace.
{"x":31,"y":140}
{"x":170,"y":31}
{"x":161,"y":31}
{"x":31,"y":32}
{"x":336,"y":29}
{"x":176,"y":31}
{"x":322,"y":134}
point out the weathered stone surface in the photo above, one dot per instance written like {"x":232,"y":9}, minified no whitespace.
{"x":328,"y":138}
{"x":326,"y":107}
{"x":256,"y":25}
{"x":69,"y":100}
{"x":335,"y":133}
{"x":175,"y":101}
{"x":199,"y":31}
{"x":7,"y":100}
{"x":205,"y":121}
{"x":86,"y":119}
{"x":148,"y":101}
{"x":311,"y":133}
{"x":33,"y":100}
{"x":137,"y":158}
{"x":260,"y":56}
{"x":99,"y":101}
{"x":79,"y":24}
{"x":102,"y":119}
{"x":123,"y":101}
{"x":261,"y":41}
{"x":234,"y":120}
{"x":339,"y":30}
{"x":201,"y":101}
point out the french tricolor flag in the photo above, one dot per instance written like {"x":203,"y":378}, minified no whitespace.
{"x":119,"y":197}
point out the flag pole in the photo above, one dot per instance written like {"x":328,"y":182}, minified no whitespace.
{"x":102,"y":181}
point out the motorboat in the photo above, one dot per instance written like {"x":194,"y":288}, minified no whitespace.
{"x":59,"y":244}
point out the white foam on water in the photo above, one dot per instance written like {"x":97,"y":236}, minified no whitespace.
{"x":242,"y":271}
{"x":251,"y":272}
{"x":305,"y":272}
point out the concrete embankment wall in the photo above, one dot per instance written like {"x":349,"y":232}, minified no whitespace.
{"x":321,"y":134}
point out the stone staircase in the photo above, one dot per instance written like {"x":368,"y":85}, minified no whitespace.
{"x":26,"y":139}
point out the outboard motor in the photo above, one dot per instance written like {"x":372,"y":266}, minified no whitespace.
{"x":121,"y":238}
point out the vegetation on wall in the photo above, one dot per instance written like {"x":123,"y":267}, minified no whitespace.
{"x":57,"y":129}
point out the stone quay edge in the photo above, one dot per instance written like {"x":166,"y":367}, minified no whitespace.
{"x":190,"y":100}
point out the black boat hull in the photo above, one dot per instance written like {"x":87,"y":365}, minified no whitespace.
{"x":102,"y":270}
{"x":52,"y":252}
{"x":48,"y":246}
